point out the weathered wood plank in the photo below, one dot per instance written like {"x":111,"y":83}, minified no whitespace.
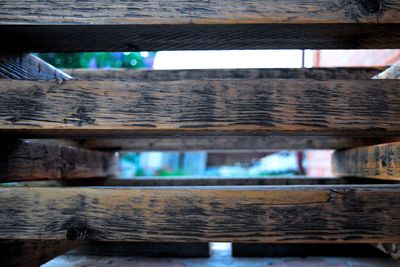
{"x":32,"y":253}
{"x":210,"y":181}
{"x":378,"y":161}
{"x":293,"y":214}
{"x":29,"y":160}
{"x":28,"y":67}
{"x":104,"y":108}
{"x":173,"y":75}
{"x":225,"y":142}
{"x":198,"y":12}
{"x":103,"y":38}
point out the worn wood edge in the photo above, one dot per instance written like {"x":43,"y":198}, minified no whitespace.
{"x":165,"y":75}
{"x":80,"y":214}
{"x":29,"y":67}
{"x":206,"y":181}
{"x":23,"y":160}
{"x":232,"y":143}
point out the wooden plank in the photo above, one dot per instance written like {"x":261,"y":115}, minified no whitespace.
{"x":150,"y":12}
{"x":304,"y":250}
{"x":32,"y":253}
{"x":28,"y":160}
{"x":378,"y":161}
{"x":143,"y":249}
{"x":238,"y":142}
{"x":107,"y":108}
{"x":111,"y":38}
{"x":202,"y":74}
{"x":28,"y":67}
{"x":209,"y":181}
{"x":289,"y":214}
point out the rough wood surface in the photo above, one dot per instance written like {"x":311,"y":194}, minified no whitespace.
{"x":101,"y":108}
{"x":29,"y":160}
{"x":100,"y":38}
{"x":378,"y":161}
{"x":232,"y":143}
{"x":173,"y":75}
{"x":28,"y":67}
{"x":198,"y":12}
{"x":32,"y":253}
{"x":292,"y":214}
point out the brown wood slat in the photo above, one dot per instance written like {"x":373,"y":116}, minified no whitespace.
{"x":72,"y":26}
{"x":378,"y":161}
{"x":28,"y":160}
{"x":273,"y":107}
{"x":293,"y":214}
{"x":198,"y":12}
{"x":204,"y":74}
{"x":28,"y":67}
{"x":225,"y":142}
{"x":111,"y":38}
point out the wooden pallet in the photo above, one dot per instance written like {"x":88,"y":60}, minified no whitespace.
{"x":66,"y":125}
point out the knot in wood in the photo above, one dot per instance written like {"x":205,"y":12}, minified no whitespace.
{"x":77,"y":231}
{"x":371,"y":6}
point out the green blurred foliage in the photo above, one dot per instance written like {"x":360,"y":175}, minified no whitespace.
{"x":100,"y":59}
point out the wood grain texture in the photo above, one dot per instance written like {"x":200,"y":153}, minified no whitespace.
{"x":378,"y":161}
{"x":173,"y":75}
{"x":32,"y":253}
{"x":28,"y":67}
{"x":198,"y":12}
{"x":294,"y":214}
{"x":234,"y":142}
{"x":96,"y":108}
{"x":28,"y":160}
{"x":111,"y":38}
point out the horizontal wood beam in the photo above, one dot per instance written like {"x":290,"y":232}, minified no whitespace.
{"x":234,"y":142}
{"x":150,"y":12}
{"x":111,"y":38}
{"x":378,"y":161}
{"x":107,"y":108}
{"x":30,"y":160}
{"x":288,"y":214}
{"x":203,"y":74}
{"x":210,"y":181}
{"x":28,"y":67}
